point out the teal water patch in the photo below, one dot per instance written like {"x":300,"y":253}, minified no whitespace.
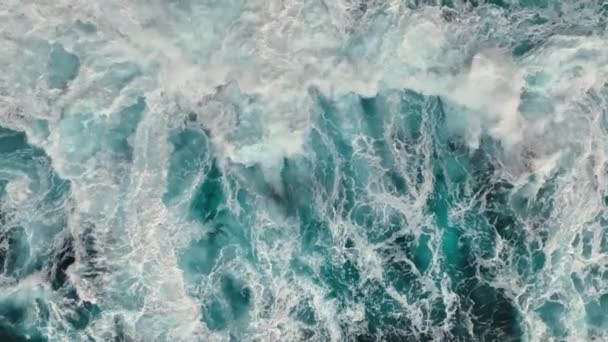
{"x":14,"y":322}
{"x":31,"y":239}
{"x":85,"y":26}
{"x":307,"y":182}
{"x":63,"y":67}
{"x":190,"y":152}
{"x":27,"y":235}
{"x":86,"y":134}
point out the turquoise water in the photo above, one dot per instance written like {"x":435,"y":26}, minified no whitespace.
{"x":304,"y":170}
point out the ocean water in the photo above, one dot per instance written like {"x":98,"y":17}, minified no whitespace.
{"x":304,"y":170}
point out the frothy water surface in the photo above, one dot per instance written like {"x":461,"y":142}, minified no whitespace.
{"x":306,"y":170}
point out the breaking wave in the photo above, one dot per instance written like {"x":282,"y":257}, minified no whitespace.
{"x":306,"y":170}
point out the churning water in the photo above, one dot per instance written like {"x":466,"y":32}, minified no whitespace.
{"x":303,"y":170}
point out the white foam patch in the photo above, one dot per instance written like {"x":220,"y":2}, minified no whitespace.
{"x":18,"y":191}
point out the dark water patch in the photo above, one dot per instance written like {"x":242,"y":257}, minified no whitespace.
{"x":495,"y":315}
{"x":83,"y":314}
{"x":15,"y":324}
{"x":86,"y":26}
{"x":297,"y":186}
{"x":305,"y":313}
{"x":90,"y":252}
{"x":374,"y":118}
{"x":29,"y":245}
{"x":201,"y":257}
{"x":121,"y":331}
{"x":227,"y":309}
{"x":237,"y":294}
{"x":17,"y":254}
{"x":209,"y":195}
{"x":63,"y":258}
{"x":298,"y":199}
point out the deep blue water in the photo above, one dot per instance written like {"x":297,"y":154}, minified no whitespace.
{"x":307,"y":170}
